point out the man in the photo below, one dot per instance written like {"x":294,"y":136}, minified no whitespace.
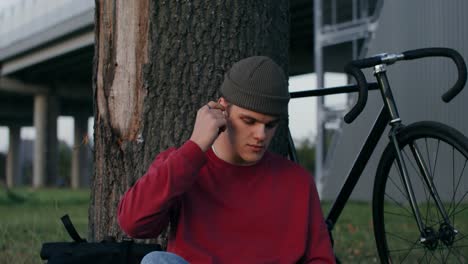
{"x":235,"y":201}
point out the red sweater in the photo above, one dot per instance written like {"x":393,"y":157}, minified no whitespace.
{"x":265,"y":213}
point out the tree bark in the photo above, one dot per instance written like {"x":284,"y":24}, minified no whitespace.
{"x":156,"y":63}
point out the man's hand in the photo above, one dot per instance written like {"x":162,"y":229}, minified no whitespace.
{"x":210,"y":121}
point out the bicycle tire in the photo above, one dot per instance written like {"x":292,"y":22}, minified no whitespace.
{"x":445,"y":150}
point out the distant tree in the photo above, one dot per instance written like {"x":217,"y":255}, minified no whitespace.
{"x":27,"y":172}
{"x":306,"y":154}
{"x":2,"y":167}
{"x":64,"y":166}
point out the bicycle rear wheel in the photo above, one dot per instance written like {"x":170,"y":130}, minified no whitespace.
{"x":444,"y":152}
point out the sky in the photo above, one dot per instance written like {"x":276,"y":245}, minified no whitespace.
{"x":302,"y":111}
{"x":7,"y":3}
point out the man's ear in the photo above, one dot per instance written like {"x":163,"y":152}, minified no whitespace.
{"x":222,"y":101}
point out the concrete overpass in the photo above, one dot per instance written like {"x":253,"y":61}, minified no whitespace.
{"x":46,"y":51}
{"x":46,"y":54}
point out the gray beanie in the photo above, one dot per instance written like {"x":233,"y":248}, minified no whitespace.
{"x":257,"y":84}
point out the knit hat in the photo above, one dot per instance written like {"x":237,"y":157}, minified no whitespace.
{"x":257,"y":84}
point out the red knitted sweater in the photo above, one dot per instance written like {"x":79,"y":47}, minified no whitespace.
{"x":265,"y":213}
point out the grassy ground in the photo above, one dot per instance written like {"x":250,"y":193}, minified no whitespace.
{"x":353,"y":234}
{"x":30,"y":218}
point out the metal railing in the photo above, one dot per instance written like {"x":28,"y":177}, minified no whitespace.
{"x":338,"y":22}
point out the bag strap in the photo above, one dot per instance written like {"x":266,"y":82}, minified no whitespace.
{"x":126,"y":250}
{"x":71,"y":229}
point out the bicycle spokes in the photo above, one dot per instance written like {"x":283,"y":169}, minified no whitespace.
{"x":436,"y":163}
{"x":446,"y":232}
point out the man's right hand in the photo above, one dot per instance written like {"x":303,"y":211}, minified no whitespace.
{"x":210,"y":121}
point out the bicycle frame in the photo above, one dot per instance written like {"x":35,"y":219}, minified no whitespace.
{"x":364,"y":154}
{"x":395,"y":123}
{"x":358,"y":167}
{"x":388,"y":116}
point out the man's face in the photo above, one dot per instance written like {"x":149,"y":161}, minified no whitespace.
{"x":249,"y":134}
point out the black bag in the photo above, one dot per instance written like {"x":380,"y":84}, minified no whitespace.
{"x":81,"y":251}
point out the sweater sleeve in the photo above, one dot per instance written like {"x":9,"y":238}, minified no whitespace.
{"x":319,"y":249}
{"x":143,"y":210}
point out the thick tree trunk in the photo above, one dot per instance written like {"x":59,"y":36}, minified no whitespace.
{"x":156,"y":63}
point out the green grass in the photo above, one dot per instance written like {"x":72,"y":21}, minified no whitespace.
{"x":32,"y":217}
{"x":26,"y":224}
{"x":353,"y":233}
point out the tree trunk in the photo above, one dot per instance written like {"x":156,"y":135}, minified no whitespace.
{"x":156,"y":63}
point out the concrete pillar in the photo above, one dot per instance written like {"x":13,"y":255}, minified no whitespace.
{"x":46,"y":144}
{"x":13,"y":164}
{"x":52,"y":140}
{"x":40,"y":149}
{"x":78,"y":168}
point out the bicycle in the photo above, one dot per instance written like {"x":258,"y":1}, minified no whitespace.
{"x":410,"y":182}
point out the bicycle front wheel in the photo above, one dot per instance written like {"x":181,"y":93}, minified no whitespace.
{"x":443,"y":151}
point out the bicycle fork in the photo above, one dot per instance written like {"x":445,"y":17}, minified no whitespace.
{"x":429,"y":237}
